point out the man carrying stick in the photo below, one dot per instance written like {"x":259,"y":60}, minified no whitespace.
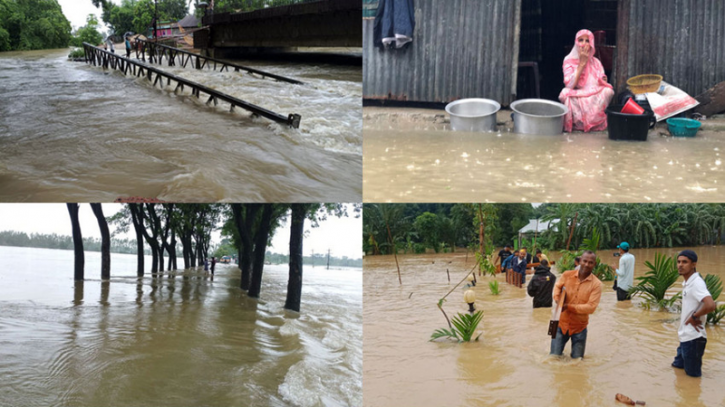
{"x":583,"y":292}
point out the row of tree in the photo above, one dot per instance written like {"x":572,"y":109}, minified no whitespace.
{"x":418,"y":227}
{"x":62,"y":242}
{"x":138,"y":15}
{"x":249,"y":227}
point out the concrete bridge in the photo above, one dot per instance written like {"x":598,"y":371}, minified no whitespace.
{"x":325,"y":23}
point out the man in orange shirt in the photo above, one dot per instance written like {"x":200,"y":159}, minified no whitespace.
{"x":583,"y":291}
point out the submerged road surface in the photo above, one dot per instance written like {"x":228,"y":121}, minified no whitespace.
{"x":73,"y":132}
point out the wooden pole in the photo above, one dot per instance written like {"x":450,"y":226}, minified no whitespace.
{"x":395,"y":254}
{"x":571,"y":232}
{"x":481,"y":236}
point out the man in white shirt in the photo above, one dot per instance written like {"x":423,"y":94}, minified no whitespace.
{"x":696,"y":304}
{"x":625,"y":272}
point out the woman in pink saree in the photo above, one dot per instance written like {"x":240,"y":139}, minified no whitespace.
{"x":587,"y":93}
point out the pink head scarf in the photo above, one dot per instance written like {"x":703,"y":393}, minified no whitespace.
{"x":593,"y":68}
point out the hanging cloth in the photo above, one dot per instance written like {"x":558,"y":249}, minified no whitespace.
{"x":394,"y":23}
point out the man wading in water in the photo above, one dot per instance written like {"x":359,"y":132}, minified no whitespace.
{"x":697,"y":302}
{"x":583,"y":291}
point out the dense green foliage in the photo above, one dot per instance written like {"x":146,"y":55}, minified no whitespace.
{"x":224,"y":6}
{"x":137,"y":15}
{"x":88,"y":33}
{"x":54,"y":241}
{"x":32,"y":24}
{"x":464,"y":326}
{"x":456,"y":225}
{"x":654,"y":284}
{"x":714,"y":287}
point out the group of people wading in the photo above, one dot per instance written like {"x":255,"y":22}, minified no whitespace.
{"x":581,"y":291}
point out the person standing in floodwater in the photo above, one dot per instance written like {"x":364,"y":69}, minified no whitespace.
{"x":520,"y":266}
{"x":508,"y":263}
{"x":697,"y":302}
{"x":503,"y":255}
{"x":625,"y":272}
{"x":213,"y":263}
{"x":542,"y":285}
{"x":583,"y":292}
{"x":206,"y":264}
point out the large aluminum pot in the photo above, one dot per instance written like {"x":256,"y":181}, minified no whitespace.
{"x":473,"y":114}
{"x":538,"y":116}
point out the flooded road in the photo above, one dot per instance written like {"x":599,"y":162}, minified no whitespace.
{"x":431,"y":164}
{"x":70,"y":132}
{"x":174,"y":342}
{"x":629,"y":349}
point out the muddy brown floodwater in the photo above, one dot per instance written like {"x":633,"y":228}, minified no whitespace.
{"x":428,"y":163}
{"x":629,"y":349}
{"x":182,"y":341}
{"x":71,"y":132}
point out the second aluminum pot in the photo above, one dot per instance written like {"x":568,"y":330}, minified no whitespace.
{"x":538,"y":116}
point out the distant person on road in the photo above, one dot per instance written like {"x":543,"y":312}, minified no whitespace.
{"x":213,"y":263}
{"x":625,"y":272}
{"x":583,"y":292}
{"x":111,"y":47}
{"x":697,"y":302}
{"x":541,"y":286}
{"x":128,"y":48}
{"x":206,"y":264}
{"x":503,"y":255}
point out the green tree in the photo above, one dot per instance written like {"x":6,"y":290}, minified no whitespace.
{"x":427,"y":226}
{"x":88,"y":33}
{"x":32,"y":24}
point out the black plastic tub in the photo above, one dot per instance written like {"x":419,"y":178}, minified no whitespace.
{"x":629,"y":127}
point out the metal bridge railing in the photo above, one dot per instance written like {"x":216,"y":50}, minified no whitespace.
{"x":157,"y":52}
{"x":105,"y":59}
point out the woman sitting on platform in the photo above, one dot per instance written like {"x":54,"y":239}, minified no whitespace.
{"x":587,"y":93}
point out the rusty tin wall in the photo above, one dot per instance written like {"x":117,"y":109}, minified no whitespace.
{"x":460,"y":49}
{"x":682,"y":40}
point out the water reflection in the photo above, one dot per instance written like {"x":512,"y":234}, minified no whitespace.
{"x":419,"y":165}
{"x":161,"y":341}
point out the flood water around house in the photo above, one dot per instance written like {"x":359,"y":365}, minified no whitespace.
{"x":629,"y":349}
{"x":183,"y":341}
{"x":431,"y":164}
{"x":71,"y":132}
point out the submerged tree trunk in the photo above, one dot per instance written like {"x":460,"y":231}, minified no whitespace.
{"x":79,"y":259}
{"x":172,"y":251}
{"x":244,"y":227}
{"x":105,"y":241}
{"x":260,"y":248}
{"x":294,"y":283}
{"x":139,"y":239}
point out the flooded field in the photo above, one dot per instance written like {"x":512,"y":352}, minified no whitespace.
{"x":629,"y":349}
{"x":72,"y":132}
{"x":178,"y":341}
{"x":431,"y":164}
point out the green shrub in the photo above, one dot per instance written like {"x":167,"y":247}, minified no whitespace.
{"x":464,"y":326}
{"x":495,"y":288}
{"x":77,"y":53}
{"x":654,"y":284}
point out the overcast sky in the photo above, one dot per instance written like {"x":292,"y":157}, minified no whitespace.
{"x":343,"y":236}
{"x":76,"y":11}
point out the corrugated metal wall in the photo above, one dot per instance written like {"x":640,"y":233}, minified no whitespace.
{"x":682,"y":40}
{"x":460,"y":49}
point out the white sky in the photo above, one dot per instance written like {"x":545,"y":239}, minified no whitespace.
{"x":343,"y":236}
{"x":76,"y":12}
